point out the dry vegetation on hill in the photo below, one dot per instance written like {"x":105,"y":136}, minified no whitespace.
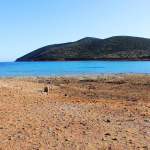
{"x":114,"y":48}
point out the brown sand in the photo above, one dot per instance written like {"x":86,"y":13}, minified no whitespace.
{"x":83,"y":112}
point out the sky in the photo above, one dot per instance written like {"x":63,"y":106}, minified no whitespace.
{"x":26,"y":25}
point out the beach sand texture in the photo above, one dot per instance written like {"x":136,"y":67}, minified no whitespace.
{"x":76,"y":112}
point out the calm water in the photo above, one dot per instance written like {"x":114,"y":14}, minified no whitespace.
{"x":72,"y":67}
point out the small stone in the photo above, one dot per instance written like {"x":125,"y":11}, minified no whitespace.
{"x":9,"y":137}
{"x":115,"y":139}
{"x":78,"y":100}
{"x":108,"y":120}
{"x":107,"y":134}
{"x":130,"y":141}
{"x":146,"y":120}
{"x":92,"y":87}
{"x":46,"y":89}
{"x":82,"y":123}
{"x":109,"y":148}
{"x":66,"y":140}
{"x":103,"y":139}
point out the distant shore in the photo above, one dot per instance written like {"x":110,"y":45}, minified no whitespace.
{"x":89,"y":48}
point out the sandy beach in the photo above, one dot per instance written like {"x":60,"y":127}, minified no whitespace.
{"x":75,"y":112}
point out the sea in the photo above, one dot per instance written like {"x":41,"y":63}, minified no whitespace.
{"x":72,"y":67}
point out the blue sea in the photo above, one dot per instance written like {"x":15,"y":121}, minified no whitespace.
{"x":72,"y":67}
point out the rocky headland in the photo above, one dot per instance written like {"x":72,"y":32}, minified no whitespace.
{"x":113,"y":48}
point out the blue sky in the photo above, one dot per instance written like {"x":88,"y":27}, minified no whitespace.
{"x":26,"y":25}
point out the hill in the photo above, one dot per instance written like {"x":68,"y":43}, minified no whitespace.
{"x":113,"y":48}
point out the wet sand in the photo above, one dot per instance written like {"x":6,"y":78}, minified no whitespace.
{"x":105,"y":111}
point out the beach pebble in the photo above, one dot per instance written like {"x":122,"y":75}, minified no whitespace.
{"x":108,"y":120}
{"x":46,"y":89}
{"x":9,"y":137}
{"x":114,"y":139}
{"x":103,"y":139}
{"x":107,"y":134}
{"x":146,"y":120}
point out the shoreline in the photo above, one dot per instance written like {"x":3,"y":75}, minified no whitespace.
{"x":102,"y":59}
{"x":76,"y":75}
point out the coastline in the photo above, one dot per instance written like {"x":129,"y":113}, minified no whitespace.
{"x":76,"y":76}
{"x":105,"y":111}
